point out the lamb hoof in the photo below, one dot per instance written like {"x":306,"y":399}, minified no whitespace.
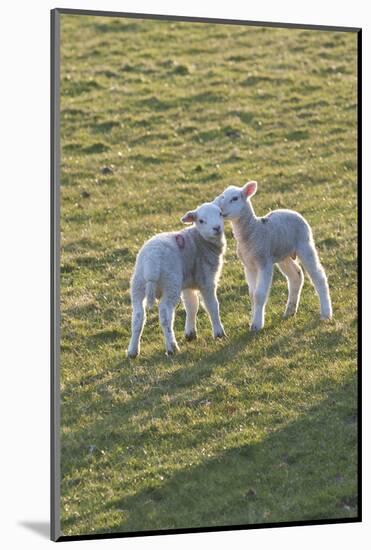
{"x":255,"y":328}
{"x":288,"y":314}
{"x":172,"y":350}
{"x":132,"y":354}
{"x":327,"y":317}
{"x":290,"y":310}
{"x":220,"y":334}
{"x":191,"y":336}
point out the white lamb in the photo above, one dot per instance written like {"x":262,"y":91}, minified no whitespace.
{"x":277,"y":238}
{"x":171,"y":265}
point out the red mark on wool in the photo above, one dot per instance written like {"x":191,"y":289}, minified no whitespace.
{"x":180,"y":240}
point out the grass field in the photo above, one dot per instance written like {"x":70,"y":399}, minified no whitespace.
{"x":157,"y":117}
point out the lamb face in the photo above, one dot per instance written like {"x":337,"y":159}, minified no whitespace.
{"x":233,"y":199}
{"x":208,"y":220}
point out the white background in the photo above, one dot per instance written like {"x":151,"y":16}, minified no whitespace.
{"x":24,"y":273}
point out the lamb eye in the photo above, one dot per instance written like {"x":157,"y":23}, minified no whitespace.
{"x":201,"y":221}
{"x":234,"y":199}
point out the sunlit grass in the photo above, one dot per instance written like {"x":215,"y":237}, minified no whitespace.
{"x":157,"y":117}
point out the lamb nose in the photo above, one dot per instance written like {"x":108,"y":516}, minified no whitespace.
{"x":217,"y":228}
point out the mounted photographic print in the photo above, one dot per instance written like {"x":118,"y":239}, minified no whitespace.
{"x":205,"y":258}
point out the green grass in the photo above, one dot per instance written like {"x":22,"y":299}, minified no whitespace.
{"x":157,"y":117}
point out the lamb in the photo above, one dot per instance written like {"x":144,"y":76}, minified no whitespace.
{"x":276,"y":238}
{"x":178,"y":264}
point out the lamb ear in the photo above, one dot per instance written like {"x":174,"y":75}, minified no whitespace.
{"x":190,"y":217}
{"x":249,"y":189}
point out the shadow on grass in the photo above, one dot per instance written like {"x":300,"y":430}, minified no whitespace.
{"x":103,"y":337}
{"x":304,"y":471}
{"x":148,"y":379}
{"x":324,"y":340}
{"x":195,"y":368}
{"x":98,"y":263}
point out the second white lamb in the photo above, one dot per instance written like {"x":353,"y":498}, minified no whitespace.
{"x":277,"y":238}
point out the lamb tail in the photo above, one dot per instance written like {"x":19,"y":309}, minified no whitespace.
{"x":150,"y":294}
